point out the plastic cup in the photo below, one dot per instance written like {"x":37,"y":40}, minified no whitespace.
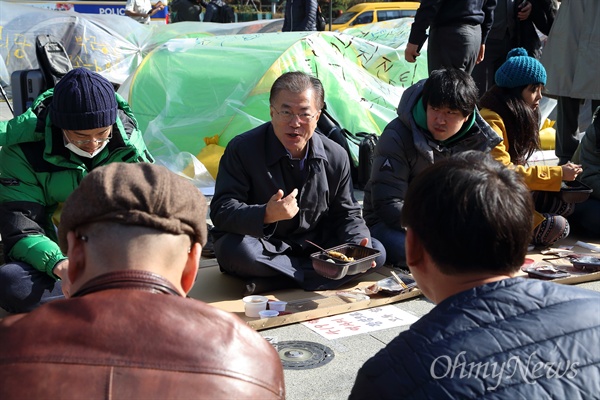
{"x":268,"y":313}
{"x":254,"y":304}
{"x":277,"y":305}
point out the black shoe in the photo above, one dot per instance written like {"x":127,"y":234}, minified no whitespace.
{"x":208,"y":250}
{"x":263,"y":285}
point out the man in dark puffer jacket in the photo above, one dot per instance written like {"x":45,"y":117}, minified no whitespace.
{"x":300,"y":15}
{"x":491,"y":335}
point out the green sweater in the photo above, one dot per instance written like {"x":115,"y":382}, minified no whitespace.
{"x":37,"y":174}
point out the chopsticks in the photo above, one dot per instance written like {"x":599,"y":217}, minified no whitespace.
{"x":400,"y":281}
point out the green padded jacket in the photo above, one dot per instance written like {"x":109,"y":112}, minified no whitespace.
{"x":37,"y":174}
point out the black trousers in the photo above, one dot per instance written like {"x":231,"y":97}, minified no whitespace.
{"x":567,"y":127}
{"x":484,"y":73}
{"x":454,"y":46}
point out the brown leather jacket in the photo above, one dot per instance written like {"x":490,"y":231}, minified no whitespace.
{"x":120,"y":339}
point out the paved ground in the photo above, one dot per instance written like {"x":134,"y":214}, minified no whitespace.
{"x":334,"y":380}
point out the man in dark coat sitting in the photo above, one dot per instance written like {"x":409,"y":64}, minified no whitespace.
{"x":491,"y":335}
{"x":279,"y":185}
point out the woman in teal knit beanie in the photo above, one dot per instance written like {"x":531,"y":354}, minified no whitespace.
{"x":511,"y":108}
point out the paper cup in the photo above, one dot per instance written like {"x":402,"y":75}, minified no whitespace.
{"x":254,"y":304}
{"x":277,"y":305}
{"x":268,"y":313}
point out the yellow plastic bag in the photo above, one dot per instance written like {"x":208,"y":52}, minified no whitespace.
{"x":211,"y":155}
{"x":548,"y":135}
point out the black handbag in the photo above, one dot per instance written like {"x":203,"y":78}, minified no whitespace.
{"x":321,"y":23}
{"x":366,"y":152}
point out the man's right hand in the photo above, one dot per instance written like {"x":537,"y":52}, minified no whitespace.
{"x":481,"y":54}
{"x":411,"y":52}
{"x":524,"y":11}
{"x":281,"y":208}
{"x":61,"y":270}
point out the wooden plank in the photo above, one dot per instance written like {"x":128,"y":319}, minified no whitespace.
{"x":225,"y":292}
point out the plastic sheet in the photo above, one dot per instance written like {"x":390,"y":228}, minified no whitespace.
{"x":109,"y":44}
{"x":189,"y":81}
{"x":195,"y":88}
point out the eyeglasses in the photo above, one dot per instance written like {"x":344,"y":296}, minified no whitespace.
{"x":89,"y":141}
{"x":287,"y":116}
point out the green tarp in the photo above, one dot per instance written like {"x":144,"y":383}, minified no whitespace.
{"x":190,"y":89}
{"x":190,"y":81}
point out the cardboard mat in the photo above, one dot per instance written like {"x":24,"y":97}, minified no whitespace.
{"x":558,"y":257}
{"x":225,"y":292}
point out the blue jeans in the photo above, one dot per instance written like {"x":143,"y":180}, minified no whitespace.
{"x":585,"y":220}
{"x":23,"y":288}
{"x":393,"y":242}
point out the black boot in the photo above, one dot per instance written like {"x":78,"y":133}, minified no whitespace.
{"x":208,"y":250}
{"x":264,"y":285}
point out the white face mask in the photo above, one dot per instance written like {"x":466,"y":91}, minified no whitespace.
{"x":84,"y":153}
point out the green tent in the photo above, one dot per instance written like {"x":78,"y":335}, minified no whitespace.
{"x":191,"y":81}
{"x":190,"y":89}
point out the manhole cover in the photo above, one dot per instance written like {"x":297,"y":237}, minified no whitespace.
{"x":303,"y":355}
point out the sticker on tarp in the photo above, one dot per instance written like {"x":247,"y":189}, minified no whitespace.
{"x":363,"y":321}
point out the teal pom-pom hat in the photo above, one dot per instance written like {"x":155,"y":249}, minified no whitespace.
{"x":519,"y":69}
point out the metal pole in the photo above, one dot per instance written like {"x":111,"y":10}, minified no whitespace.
{"x":6,"y":98}
{"x":330,"y":13}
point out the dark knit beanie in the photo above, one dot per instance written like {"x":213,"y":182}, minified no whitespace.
{"x":520,"y":70}
{"x":83,"y":100}
{"x":140,"y":194}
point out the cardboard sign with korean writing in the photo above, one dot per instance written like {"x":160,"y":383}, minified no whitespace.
{"x":362,"y":321}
